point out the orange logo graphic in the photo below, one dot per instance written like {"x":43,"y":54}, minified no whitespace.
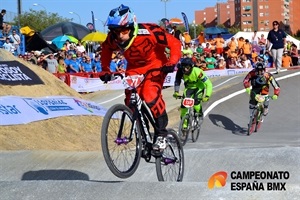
{"x":218,"y":179}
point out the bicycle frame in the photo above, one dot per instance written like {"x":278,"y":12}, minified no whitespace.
{"x":256,"y":118}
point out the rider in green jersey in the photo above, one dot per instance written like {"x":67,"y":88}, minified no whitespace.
{"x":195,"y":82}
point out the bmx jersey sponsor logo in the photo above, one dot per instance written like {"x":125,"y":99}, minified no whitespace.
{"x":9,"y":110}
{"x":45,"y":106}
{"x":218,"y":179}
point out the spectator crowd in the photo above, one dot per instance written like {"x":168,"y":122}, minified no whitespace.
{"x":208,"y":54}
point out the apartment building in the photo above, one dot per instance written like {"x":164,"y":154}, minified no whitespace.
{"x":250,"y":15}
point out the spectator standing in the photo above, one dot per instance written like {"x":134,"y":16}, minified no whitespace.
{"x":232,"y":44}
{"x":52,"y":63}
{"x":15,"y":38}
{"x":187,"y":38}
{"x":255,"y":38}
{"x":247,"y":48}
{"x":4,"y":26}
{"x":201,"y":38}
{"x":177,"y":33}
{"x":219,"y":41}
{"x":277,"y":39}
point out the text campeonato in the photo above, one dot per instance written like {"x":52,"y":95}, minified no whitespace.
{"x":260,"y":175}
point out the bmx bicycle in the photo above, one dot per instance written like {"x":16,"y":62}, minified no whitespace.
{"x":126,"y":137}
{"x":256,"y":118}
{"x":194,"y":121}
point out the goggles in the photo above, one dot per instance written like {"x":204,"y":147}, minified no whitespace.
{"x":123,"y":31}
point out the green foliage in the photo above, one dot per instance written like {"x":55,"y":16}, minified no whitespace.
{"x":39,"y":20}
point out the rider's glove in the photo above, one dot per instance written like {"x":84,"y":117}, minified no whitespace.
{"x":274,"y":97}
{"x":168,"y":68}
{"x":248,"y":90}
{"x":106,"y":77}
{"x":175,"y":95}
{"x":205,"y":99}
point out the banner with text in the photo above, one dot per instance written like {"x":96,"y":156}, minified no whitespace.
{"x":83,"y":84}
{"x":15,"y":73}
{"x":22,"y":110}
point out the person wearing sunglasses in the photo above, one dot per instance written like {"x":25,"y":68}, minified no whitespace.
{"x":143,"y":46}
{"x":277,"y":40}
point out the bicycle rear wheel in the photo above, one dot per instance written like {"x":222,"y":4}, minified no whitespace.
{"x":183,"y":133}
{"x":170,"y":165}
{"x":252,"y":122}
{"x":121,"y":148}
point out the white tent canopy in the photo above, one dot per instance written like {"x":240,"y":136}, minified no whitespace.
{"x":248,"y":35}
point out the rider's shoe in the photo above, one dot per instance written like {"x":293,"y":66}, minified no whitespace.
{"x":160,"y":144}
{"x":266,"y":111}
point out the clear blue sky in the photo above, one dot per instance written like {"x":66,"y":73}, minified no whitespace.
{"x":145,"y":10}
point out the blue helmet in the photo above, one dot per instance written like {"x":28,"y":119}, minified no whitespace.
{"x":121,"y":16}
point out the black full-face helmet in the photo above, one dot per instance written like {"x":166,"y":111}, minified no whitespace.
{"x":187,"y":66}
{"x":260,"y":67}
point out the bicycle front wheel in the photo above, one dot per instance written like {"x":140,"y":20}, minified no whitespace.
{"x":252,"y":122}
{"x":183,"y":132}
{"x":121,"y":148}
{"x":196,"y":132}
{"x":170,"y":165}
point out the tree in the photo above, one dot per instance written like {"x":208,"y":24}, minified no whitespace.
{"x":39,"y":20}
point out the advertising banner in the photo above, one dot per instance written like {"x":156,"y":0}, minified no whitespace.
{"x":22,"y":110}
{"x":15,"y":73}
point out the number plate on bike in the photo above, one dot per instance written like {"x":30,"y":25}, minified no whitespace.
{"x":134,"y":81}
{"x":188,"y":102}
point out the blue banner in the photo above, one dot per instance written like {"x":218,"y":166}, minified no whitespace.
{"x":186,"y":22}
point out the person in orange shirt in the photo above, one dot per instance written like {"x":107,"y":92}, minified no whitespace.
{"x":219,"y":41}
{"x":241,"y":42}
{"x":286,"y":60}
{"x":247,"y":47}
{"x":254,"y":56}
{"x":201,"y":38}
{"x":232,"y":44}
{"x":212,"y":43}
{"x":187,"y":38}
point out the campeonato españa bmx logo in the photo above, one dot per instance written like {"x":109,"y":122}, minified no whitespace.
{"x":218,"y":180}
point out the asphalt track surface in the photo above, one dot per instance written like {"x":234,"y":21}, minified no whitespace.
{"x":222,"y":146}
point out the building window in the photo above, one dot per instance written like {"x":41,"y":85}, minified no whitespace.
{"x":261,"y":14}
{"x":228,"y":6}
{"x":261,"y":7}
{"x":204,"y":13}
{"x":266,"y":14}
{"x":204,"y":18}
{"x":266,"y":7}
